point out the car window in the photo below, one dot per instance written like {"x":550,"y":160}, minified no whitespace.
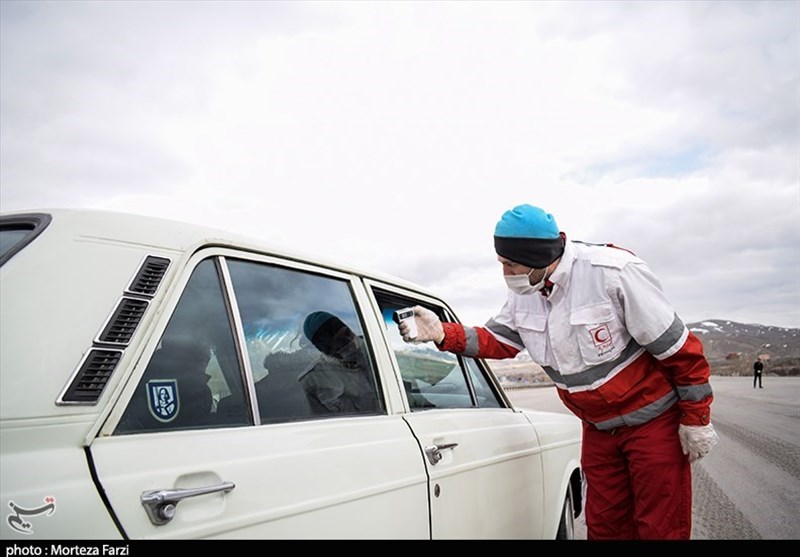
{"x":284,"y":312}
{"x":194,"y":368}
{"x":11,"y":237}
{"x":485,"y":395}
{"x":17,"y":231}
{"x":432,"y":378}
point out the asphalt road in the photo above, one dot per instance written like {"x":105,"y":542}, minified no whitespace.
{"x":748,"y":487}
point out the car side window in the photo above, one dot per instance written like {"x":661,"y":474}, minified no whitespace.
{"x":305,"y":344}
{"x":485,"y":395}
{"x":432,"y":378}
{"x":194,"y":367}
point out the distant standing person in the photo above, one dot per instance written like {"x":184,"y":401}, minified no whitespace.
{"x":758,"y":369}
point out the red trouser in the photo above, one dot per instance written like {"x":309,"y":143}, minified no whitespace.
{"x":639,"y":482}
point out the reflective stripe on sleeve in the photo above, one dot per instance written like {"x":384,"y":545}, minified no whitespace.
{"x":471,"y":338}
{"x":694,"y":393}
{"x":504,"y":333}
{"x":669,"y":341}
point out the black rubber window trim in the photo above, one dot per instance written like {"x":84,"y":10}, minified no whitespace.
{"x":38,"y":222}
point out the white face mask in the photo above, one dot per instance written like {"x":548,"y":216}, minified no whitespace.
{"x":521,"y":284}
{"x":350,"y":355}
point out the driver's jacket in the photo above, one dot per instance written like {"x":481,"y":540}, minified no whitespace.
{"x":607,"y":337}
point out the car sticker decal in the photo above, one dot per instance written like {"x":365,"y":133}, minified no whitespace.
{"x":162,"y":399}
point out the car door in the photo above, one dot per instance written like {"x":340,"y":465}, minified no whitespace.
{"x":214,"y":435}
{"x":483,"y":458}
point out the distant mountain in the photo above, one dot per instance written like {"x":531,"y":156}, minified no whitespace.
{"x":730,"y":347}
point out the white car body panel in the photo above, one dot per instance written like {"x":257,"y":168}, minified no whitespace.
{"x":50,"y":483}
{"x":494,"y":470}
{"x":316,"y":479}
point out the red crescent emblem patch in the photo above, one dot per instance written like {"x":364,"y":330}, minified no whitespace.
{"x":601,"y":336}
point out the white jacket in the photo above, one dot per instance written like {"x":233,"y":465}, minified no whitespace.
{"x":606,"y":335}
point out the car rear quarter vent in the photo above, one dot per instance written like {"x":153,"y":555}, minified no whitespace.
{"x":150,"y":275}
{"x":91,"y":377}
{"x":123,"y":322}
{"x":94,"y":372}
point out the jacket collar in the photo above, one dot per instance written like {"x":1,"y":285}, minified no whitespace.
{"x":560,"y":276}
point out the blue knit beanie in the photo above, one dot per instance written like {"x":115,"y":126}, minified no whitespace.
{"x":316,"y":320}
{"x":527,"y":221}
{"x":528,"y":235}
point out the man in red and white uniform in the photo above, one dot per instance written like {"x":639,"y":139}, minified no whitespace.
{"x":596,"y":319}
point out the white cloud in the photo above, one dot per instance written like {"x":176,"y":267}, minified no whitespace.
{"x":395,"y":134}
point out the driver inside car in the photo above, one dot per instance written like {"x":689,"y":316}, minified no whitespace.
{"x":339,"y":380}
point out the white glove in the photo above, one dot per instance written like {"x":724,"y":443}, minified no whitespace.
{"x":697,"y":440}
{"x":428,"y":327}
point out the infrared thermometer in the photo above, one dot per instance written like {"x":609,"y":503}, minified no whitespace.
{"x":407,"y":316}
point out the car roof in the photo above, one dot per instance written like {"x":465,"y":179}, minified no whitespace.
{"x":179,"y":236}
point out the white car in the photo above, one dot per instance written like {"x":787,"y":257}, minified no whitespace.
{"x":158,"y":380}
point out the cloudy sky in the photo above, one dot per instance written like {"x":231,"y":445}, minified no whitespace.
{"x":393,"y":135}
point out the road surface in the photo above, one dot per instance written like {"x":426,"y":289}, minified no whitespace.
{"x":748,"y":487}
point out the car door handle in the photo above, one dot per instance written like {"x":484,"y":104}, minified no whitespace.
{"x":434,"y":452}
{"x":160,"y":503}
